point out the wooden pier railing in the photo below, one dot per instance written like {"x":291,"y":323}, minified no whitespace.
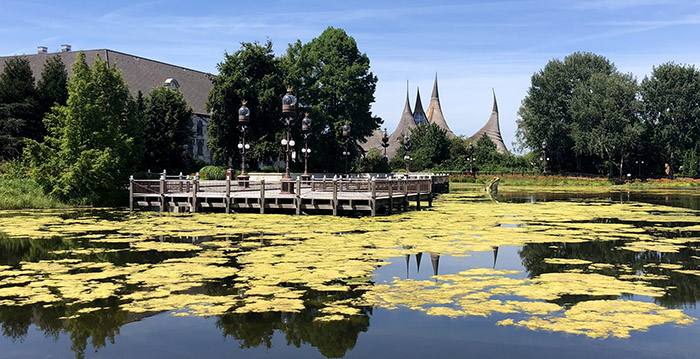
{"x":335,"y":195}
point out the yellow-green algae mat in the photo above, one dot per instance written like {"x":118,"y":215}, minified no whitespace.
{"x":278,"y":258}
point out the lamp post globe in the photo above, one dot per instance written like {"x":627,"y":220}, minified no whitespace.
{"x":243,"y":146}
{"x":306,"y":151}
{"x":346,"y":137}
{"x":289,"y":103}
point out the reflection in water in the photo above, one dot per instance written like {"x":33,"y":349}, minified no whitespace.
{"x":311,"y":279}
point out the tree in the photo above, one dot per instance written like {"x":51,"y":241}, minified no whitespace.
{"x":167,"y":118}
{"x":85,"y":156}
{"x":252,"y":74}
{"x":52,"y":87}
{"x":546,"y":114}
{"x":19,"y":117}
{"x":605,"y":113}
{"x":671,"y":98}
{"x":332,"y":81}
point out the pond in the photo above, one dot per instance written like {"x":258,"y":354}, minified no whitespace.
{"x":527,"y":274}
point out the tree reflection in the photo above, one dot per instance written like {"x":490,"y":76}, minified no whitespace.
{"x":332,"y":339}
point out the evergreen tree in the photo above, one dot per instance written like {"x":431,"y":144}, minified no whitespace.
{"x":19,"y":115}
{"x":86,"y":153}
{"x":167,"y":122}
{"x":53,"y":84}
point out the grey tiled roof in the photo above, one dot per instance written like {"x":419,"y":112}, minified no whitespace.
{"x":492,"y":129}
{"x":139,"y":73}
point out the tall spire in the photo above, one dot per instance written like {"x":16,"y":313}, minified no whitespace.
{"x":492,"y":128}
{"x":435,"y":90}
{"x":434,"y":113}
{"x":407,"y":106}
{"x":418,"y":113}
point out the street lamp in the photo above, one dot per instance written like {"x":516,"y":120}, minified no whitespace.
{"x":385,"y":141}
{"x":346,"y":137}
{"x":544,"y":157}
{"x":289,"y":103}
{"x":243,"y":121}
{"x":407,"y":146}
{"x":306,"y":151}
{"x":471,"y":159}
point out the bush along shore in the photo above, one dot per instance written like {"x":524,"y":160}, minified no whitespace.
{"x":24,"y":194}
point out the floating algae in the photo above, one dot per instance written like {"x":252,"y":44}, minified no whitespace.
{"x":212,"y":264}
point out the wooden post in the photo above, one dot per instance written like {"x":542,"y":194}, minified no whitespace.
{"x":228,"y":194}
{"x":131,"y":193}
{"x":405,"y":194}
{"x":430,"y":190}
{"x":195,"y":189}
{"x":297,"y":197}
{"x":373,"y":186}
{"x":261,"y":200}
{"x":180,"y":181}
{"x":418,"y":183}
{"x":161,"y":190}
{"x":391,"y":195}
{"x":334,"y":202}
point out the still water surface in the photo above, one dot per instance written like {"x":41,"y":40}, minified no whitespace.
{"x":532,"y":275}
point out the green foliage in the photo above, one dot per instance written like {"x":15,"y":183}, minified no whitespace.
{"x":332,"y":82}
{"x":214,"y":173}
{"x":546,"y":113}
{"x":252,"y":74}
{"x":373,"y":162}
{"x":605,"y":113}
{"x":13,"y":169}
{"x":53,"y":84}
{"x":86,"y":155}
{"x":671,"y":97}
{"x":24,"y":193}
{"x":167,"y":123}
{"x":19,"y":111}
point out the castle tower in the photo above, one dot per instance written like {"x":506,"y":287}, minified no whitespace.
{"x":492,"y":129}
{"x":434,"y":113}
{"x":418,"y":114}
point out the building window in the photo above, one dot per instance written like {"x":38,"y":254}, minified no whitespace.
{"x":200,"y":128}
{"x":200,"y":147}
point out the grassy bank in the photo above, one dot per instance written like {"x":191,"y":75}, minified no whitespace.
{"x":24,"y":193}
{"x":560,"y":181}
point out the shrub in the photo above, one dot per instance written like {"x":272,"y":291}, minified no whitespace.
{"x":214,"y":173}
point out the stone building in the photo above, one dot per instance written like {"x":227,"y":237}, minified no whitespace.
{"x":142,"y":74}
{"x":412,"y":118}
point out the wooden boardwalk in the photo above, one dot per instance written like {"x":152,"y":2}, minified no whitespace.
{"x":330,"y":196}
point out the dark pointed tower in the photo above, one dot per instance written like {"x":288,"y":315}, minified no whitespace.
{"x":406,"y":123}
{"x":418,"y":114}
{"x":492,"y":129}
{"x":434,"y":113}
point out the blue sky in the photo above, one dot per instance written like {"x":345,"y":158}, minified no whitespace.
{"x":473,"y":46}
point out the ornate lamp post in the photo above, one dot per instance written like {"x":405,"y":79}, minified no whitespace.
{"x":306,"y":151}
{"x":243,"y":121}
{"x":346,"y":137}
{"x":385,"y":141}
{"x":407,"y":146}
{"x":471,"y":159}
{"x":289,"y":103}
{"x":544,"y":157}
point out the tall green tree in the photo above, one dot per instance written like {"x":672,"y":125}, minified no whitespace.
{"x":430,"y":145}
{"x":19,"y":114}
{"x":85,"y":155}
{"x":605,"y":112}
{"x":333,"y":82}
{"x":671,"y":97}
{"x":52,"y":87}
{"x":252,"y":74}
{"x":167,"y":119}
{"x":546,"y":114}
